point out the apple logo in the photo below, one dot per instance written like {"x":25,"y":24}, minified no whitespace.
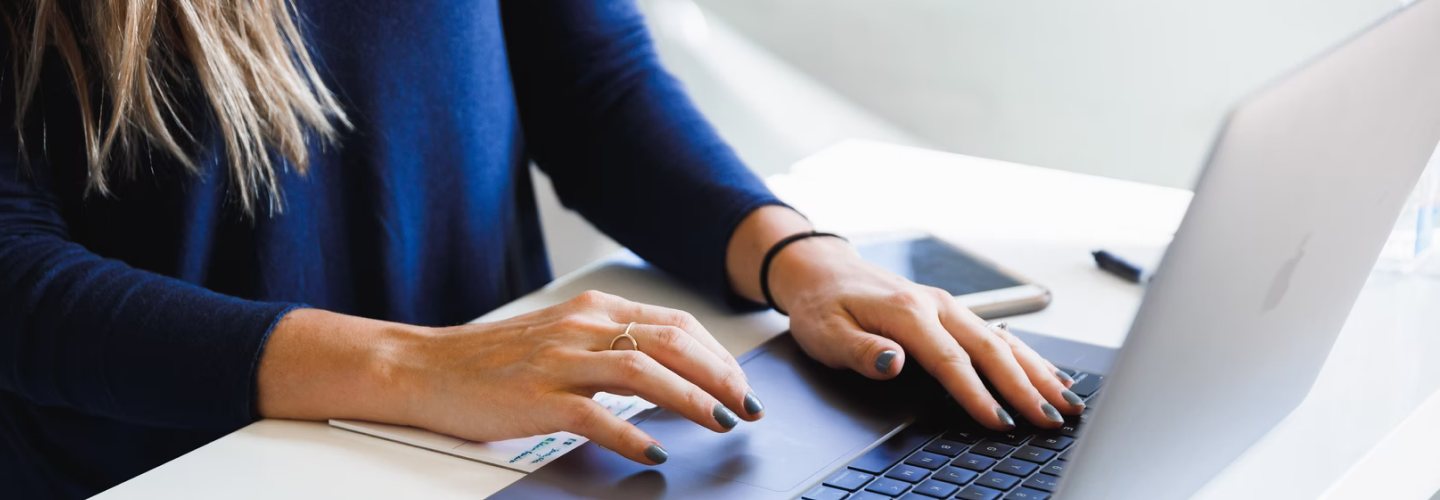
{"x":1281,"y":283}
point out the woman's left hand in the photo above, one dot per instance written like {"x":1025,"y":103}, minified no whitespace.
{"x":846,"y":312}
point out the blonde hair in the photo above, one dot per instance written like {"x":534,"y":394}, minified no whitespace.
{"x":247,"y":55}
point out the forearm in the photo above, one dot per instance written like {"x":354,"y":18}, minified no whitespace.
{"x":798,"y":266}
{"x":319,"y":365}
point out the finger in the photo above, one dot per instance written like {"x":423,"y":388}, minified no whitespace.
{"x":1065,"y":378}
{"x":656,"y":315}
{"x":841,"y":343}
{"x":694,"y":353}
{"x":1016,"y":343}
{"x":623,"y":311}
{"x":993,"y":357}
{"x":923,"y":334}
{"x":637,"y":373}
{"x":584,"y":416}
{"x":751,"y":407}
{"x":685,"y":355}
{"x":1041,"y":373}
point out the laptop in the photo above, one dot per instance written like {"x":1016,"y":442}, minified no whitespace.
{"x":1299,"y":194}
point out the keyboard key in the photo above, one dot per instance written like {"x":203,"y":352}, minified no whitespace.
{"x":968,"y":436}
{"x":992,"y":449}
{"x":1016,"y":467}
{"x":1013,"y":437}
{"x":1043,"y":482}
{"x":946,"y":447}
{"x":893,"y":450}
{"x":936,"y":489}
{"x":1086,"y":384}
{"x":888,"y":487}
{"x":1056,"y":443}
{"x":1028,"y":494}
{"x":908,"y":473}
{"x":955,"y":475}
{"x":825,"y":493}
{"x":915,"y":496}
{"x":977,"y":493}
{"x":927,"y":460}
{"x":1070,"y":429}
{"x":973,"y":462}
{"x":849,"y":479}
{"x":869,"y":495}
{"x":1054,"y":468}
{"x":1034,"y":454}
{"x":997,"y":480}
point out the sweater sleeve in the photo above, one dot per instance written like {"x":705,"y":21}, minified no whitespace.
{"x":622,"y":142}
{"x":98,"y":336}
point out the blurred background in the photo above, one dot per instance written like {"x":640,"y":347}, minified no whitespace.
{"x":1129,"y":89}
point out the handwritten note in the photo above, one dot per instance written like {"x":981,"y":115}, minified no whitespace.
{"x":524,"y":454}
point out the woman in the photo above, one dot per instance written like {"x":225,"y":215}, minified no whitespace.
{"x":214,"y":211}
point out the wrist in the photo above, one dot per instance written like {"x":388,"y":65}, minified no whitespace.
{"x":752,"y":239}
{"x":391,"y":371}
{"x":319,"y":365}
{"x":807,"y":265}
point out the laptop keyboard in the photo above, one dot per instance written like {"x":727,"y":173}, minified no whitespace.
{"x":962,"y":460}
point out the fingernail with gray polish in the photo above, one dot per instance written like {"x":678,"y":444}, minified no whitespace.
{"x":1071,"y":398}
{"x":1051,"y":413}
{"x":656,"y":454}
{"x":1004,"y":417}
{"x":1064,"y":377}
{"x":882,"y":363}
{"x":727,"y":418}
{"x":753,"y":406}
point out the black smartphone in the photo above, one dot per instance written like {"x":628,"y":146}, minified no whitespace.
{"x":988,"y":289}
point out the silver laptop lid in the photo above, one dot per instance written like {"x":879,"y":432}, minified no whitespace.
{"x":1301,"y":190}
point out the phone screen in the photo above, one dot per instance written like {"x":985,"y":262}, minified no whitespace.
{"x":929,"y":261}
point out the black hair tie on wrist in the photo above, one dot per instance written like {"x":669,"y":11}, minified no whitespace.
{"x":770,"y":256}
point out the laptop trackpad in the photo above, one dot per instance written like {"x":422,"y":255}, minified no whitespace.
{"x":813,"y":416}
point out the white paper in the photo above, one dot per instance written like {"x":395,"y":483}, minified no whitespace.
{"x":524,"y":454}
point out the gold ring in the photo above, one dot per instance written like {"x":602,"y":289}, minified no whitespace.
{"x":626,"y":335}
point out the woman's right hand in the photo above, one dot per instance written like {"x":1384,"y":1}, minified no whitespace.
{"x":536,"y":374}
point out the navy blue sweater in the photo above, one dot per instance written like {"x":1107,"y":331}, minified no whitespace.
{"x":131,"y":326}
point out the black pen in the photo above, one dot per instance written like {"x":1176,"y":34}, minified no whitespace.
{"x":1117,"y":266}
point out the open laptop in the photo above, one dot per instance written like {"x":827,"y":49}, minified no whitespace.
{"x":1300,"y":192}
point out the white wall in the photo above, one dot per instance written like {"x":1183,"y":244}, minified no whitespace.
{"x":1124,"y":88}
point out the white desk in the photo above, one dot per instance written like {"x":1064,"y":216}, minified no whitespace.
{"x":1039,"y":222}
